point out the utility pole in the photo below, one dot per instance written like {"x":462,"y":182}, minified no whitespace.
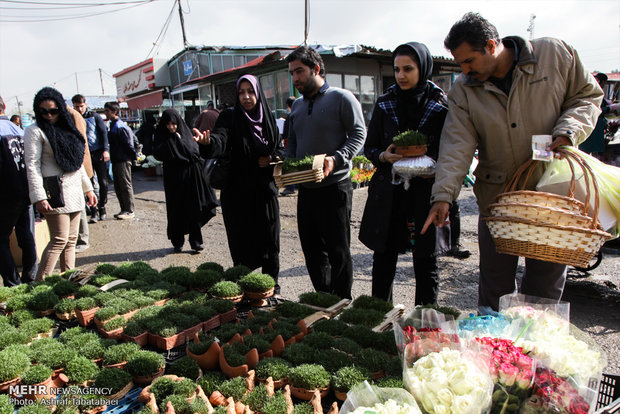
{"x":530,"y":28}
{"x":182,"y":24}
{"x":101,"y":80}
{"x":77,"y":87}
{"x":306,"y":21}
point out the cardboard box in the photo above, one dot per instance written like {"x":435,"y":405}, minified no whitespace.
{"x":41,"y":239}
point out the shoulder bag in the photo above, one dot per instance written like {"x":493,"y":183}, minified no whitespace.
{"x":53,"y":190}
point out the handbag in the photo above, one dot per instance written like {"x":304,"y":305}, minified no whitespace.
{"x":53,"y":190}
{"x":218,"y":171}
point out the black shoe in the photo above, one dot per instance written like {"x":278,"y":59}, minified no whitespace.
{"x":197,"y":247}
{"x":178,"y":249}
{"x":458,"y":253}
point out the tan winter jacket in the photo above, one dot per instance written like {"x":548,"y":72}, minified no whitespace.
{"x":552,"y":93}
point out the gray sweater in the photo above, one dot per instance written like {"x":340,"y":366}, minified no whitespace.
{"x":331,"y":123}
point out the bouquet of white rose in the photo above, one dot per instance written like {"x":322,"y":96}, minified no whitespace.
{"x":365,"y":398}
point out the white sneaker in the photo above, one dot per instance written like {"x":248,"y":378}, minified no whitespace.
{"x":81,"y":247}
{"x":126,"y":215}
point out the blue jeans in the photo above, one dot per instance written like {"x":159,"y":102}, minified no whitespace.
{"x":21,"y":217}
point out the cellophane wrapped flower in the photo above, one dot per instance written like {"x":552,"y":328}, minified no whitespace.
{"x":365,"y":398}
{"x":420,"y":342}
{"x":512,"y":372}
{"x":553,"y":394}
{"x":449,"y":381}
{"x":482,"y":326}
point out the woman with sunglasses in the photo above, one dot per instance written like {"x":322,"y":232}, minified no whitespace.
{"x":53,"y":147}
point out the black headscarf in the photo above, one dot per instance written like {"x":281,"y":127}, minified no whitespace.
{"x":260,"y":121}
{"x":66,"y":141}
{"x":183,"y":147}
{"x":411,"y":101}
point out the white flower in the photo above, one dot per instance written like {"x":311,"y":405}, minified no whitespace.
{"x":389,"y":407}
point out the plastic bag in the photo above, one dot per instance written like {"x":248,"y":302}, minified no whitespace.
{"x":405,"y":169}
{"x":365,"y":398}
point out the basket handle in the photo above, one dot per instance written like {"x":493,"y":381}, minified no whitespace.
{"x":529,"y":166}
{"x":587,"y":173}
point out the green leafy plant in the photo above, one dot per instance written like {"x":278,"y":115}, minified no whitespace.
{"x":102,"y":279}
{"x":120,"y":353}
{"x":204,"y":312}
{"x":332,"y":360}
{"x":81,"y":369}
{"x":105,"y":269}
{"x":372,"y":360}
{"x":390,"y":382}
{"x":162,"y":327}
{"x":36,"y":326}
{"x":409,"y":137}
{"x":65,"y":288}
{"x":185,"y":367}
{"x":36,"y":374}
{"x":256,"y":282}
{"x":256,"y":399}
{"x":65,"y":305}
{"x":303,"y":408}
{"x":38,"y":408}
{"x":162,"y":387}
{"x":115,"y":323}
{"x":198,"y":406}
{"x":6,"y":405}
{"x":225,"y":289}
{"x":297,"y":164}
{"x":319,"y":340}
{"x":145,"y":363}
{"x":294,"y":310}
{"x":286,"y":329}
{"x":86,"y":291}
{"x":446,"y":310}
{"x":276,"y":405}
{"x":179,"y":403}
{"x":20,"y":316}
{"x":70,"y":334}
{"x":299,"y":353}
{"x":234,"y":387}
{"x":199,"y":348}
{"x":93,"y":349}
{"x":211,"y":381}
{"x":106,"y":313}
{"x":12,"y":336}
{"x":333,"y":327}
{"x":277,"y":368}
{"x":309,"y":376}
{"x":386,"y":342}
{"x":233,"y":357}
{"x":347,"y":377}
{"x":19,"y":301}
{"x":361,"y":334}
{"x":257,"y":341}
{"x":347,"y":345}
{"x":134,"y":328}
{"x":204,"y":279}
{"x":359,"y":316}
{"x":221,"y":305}
{"x":235,"y":273}
{"x":114,"y":379}
{"x":320,"y":299}
{"x":179,"y":275}
{"x":55,"y":355}
{"x":86,"y":303}
{"x":216,"y":267}
{"x":183,"y":320}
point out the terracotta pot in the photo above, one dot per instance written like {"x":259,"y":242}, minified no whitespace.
{"x":378,"y":374}
{"x":129,"y":314}
{"x":212,"y":323}
{"x":306,"y":395}
{"x":85,"y":317}
{"x":259,"y":295}
{"x":231,"y":372}
{"x":161,"y":302}
{"x":190,"y":332}
{"x":4,"y":386}
{"x":235,"y":338}
{"x":141,"y":339}
{"x":209,"y":360}
{"x":113,"y":334}
{"x":65,"y":316}
{"x":229,"y":316}
{"x":44,"y":393}
{"x":147,"y":379}
{"x":277,"y":346}
{"x":276,"y":384}
{"x":233,"y":299}
{"x":46,"y":312}
{"x":252,"y":358}
{"x":122,"y":392}
{"x":267,"y":354}
{"x":290,"y":341}
{"x":120,"y":365}
{"x":411,"y":150}
{"x":341,"y":395}
{"x":166,"y":343}
{"x":98,"y":361}
{"x":96,"y":410}
{"x":304,"y":327}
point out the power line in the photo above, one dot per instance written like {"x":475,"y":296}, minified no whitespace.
{"x":162,"y":32}
{"x":48,"y":3}
{"x":25,"y":19}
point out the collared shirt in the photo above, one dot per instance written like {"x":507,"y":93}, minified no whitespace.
{"x":505,"y":83}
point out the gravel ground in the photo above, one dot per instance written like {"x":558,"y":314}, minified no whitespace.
{"x":594,"y":296}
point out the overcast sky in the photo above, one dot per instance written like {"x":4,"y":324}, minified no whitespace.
{"x":40,"y":53}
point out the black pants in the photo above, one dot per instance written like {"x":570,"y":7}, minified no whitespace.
{"x":426,"y":277}
{"x":455,"y":225}
{"x":101,"y":169}
{"x":195,"y":236}
{"x":18,"y":215}
{"x":324,"y":224}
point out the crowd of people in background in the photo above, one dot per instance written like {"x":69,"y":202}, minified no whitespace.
{"x":488,"y":109}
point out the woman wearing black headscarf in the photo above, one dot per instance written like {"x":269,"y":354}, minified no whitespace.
{"x":413,"y":103}
{"x":248,"y":134}
{"x":54,"y":147}
{"x":190,"y":201}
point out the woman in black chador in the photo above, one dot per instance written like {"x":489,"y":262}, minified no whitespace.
{"x":414,"y":103}
{"x":190,"y":201}
{"x":247,"y":135}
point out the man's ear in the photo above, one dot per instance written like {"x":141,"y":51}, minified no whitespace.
{"x":490,"y":46}
{"x":316,"y":69}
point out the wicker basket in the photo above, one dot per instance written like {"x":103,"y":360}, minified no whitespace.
{"x":523,"y":221}
{"x":314,"y":175}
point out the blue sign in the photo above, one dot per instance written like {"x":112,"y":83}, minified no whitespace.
{"x":187,"y":68}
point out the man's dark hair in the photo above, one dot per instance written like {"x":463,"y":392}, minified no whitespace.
{"x":308,"y":57}
{"x":289,"y":101}
{"x":473,"y":29}
{"x":2,"y":105}
{"x":601,"y":77}
{"x":78,"y":99}
{"x":14,"y":117}
{"x":112,"y":106}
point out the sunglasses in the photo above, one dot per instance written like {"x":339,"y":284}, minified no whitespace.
{"x":53,"y":111}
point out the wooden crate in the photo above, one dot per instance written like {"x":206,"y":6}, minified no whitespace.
{"x":314,"y":175}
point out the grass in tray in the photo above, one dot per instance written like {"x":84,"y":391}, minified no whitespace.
{"x":408,"y":138}
{"x":297,"y":164}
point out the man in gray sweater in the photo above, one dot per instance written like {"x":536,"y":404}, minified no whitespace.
{"x":325,"y":121}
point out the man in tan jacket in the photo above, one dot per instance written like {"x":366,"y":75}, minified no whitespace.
{"x":510,"y":89}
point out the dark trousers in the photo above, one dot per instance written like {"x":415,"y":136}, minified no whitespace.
{"x":101,"y":169}
{"x":455,"y":225}
{"x":21,"y":217}
{"x":195,"y":236}
{"x":497,"y":274}
{"x":324,"y":225}
{"x":426,"y":277}
{"x":123,"y":186}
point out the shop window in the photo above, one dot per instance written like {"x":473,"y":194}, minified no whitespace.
{"x":334,"y":79}
{"x":227,"y":62}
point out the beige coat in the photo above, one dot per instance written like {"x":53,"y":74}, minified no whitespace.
{"x":40,"y":162}
{"x":552,"y":93}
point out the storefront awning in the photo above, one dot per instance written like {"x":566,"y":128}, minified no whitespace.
{"x":146,"y":100}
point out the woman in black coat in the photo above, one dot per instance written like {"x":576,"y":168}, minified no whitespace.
{"x":247,"y":135}
{"x":413,"y":103}
{"x":190,"y":201}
